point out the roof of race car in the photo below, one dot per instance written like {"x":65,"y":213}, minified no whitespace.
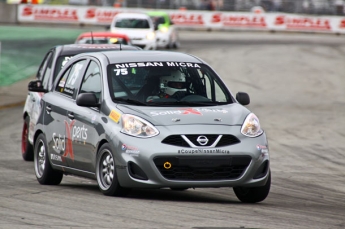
{"x":131,"y":15}
{"x":103,"y":34}
{"x":73,"y":49}
{"x":149,"y":56}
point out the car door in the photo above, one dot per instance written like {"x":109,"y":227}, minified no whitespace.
{"x":86,"y":129}
{"x":57,"y":128}
{"x":33,"y":107}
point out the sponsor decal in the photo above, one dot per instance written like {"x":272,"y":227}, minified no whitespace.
{"x":59,"y":143}
{"x":63,"y":144}
{"x":263,"y":149}
{"x":130,"y":150}
{"x":93,"y":119}
{"x":79,"y":134}
{"x":342,"y":24}
{"x":202,"y":151}
{"x":292,"y":22}
{"x":115,"y":116}
{"x":55,"y":157}
{"x":186,"y":111}
{"x":157,"y":64}
{"x":69,"y":147}
{"x":101,"y":15}
{"x":187,"y":19}
{"x":50,"y":13}
{"x":239,"y":20}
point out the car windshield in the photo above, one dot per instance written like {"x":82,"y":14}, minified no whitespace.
{"x":167,"y":84}
{"x":132,"y":23}
{"x":102,"y":40}
{"x":157,"y":20}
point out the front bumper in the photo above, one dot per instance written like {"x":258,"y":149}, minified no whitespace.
{"x":145,"y":44}
{"x":149,"y":163}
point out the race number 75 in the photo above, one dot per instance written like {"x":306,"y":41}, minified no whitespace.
{"x":122,"y":71}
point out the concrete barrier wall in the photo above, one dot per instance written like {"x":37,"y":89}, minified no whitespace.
{"x":8,"y":13}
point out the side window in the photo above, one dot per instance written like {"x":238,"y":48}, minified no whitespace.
{"x":92,"y":80}
{"x":70,"y":80}
{"x":43,"y":66}
{"x":48,"y":71}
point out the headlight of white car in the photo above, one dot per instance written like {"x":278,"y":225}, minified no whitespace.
{"x":251,"y":126}
{"x":163,"y":29}
{"x":150,"y":36}
{"x":137,"y":127}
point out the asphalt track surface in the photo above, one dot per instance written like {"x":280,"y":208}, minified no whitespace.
{"x":296,"y":83}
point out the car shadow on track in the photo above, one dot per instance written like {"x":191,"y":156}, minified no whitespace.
{"x":210,"y":195}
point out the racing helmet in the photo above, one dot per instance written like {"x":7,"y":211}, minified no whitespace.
{"x":174,"y":82}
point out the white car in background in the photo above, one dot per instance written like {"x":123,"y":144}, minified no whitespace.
{"x":138,"y":27}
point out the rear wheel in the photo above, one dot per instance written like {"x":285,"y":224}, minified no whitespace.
{"x":45,"y":174}
{"x":254,"y":194}
{"x":106,"y":173}
{"x":27,"y":148}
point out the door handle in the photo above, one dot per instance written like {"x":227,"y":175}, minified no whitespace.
{"x":70,"y":115}
{"x":48,"y":109}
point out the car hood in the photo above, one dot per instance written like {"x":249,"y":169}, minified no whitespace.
{"x":134,"y":33}
{"x":232,"y":114}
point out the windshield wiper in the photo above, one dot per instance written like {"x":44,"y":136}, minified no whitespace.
{"x":131,"y":101}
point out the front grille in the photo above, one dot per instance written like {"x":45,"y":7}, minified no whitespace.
{"x":197,"y":168}
{"x":177,"y":140}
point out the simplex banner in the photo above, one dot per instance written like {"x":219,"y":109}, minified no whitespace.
{"x":214,"y":20}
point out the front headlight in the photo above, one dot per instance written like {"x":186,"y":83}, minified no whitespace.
{"x":251,"y":126}
{"x":150,"y":36}
{"x":137,"y":127}
{"x":163,"y":29}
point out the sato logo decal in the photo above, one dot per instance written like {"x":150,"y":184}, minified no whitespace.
{"x":130,"y":150}
{"x":115,"y":116}
{"x":262,"y":148}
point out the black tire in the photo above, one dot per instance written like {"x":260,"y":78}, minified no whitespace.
{"x":45,"y":174}
{"x":106,"y":173}
{"x":254,"y":194}
{"x":27,"y":148}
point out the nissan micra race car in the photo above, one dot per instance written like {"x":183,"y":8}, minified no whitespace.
{"x":149,"y":119}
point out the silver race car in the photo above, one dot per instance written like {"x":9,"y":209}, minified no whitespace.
{"x":149,"y":119}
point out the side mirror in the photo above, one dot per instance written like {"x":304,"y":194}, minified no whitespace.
{"x":36,"y":86}
{"x":243,"y":98}
{"x":107,"y":27}
{"x":87,"y":100}
{"x":156,"y":27}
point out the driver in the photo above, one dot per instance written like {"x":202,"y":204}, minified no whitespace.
{"x":171,"y":85}
{"x":174,"y":85}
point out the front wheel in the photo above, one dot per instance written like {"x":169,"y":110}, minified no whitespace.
{"x":106,"y":173}
{"x":27,"y":148}
{"x":45,"y":174}
{"x":254,"y":194}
